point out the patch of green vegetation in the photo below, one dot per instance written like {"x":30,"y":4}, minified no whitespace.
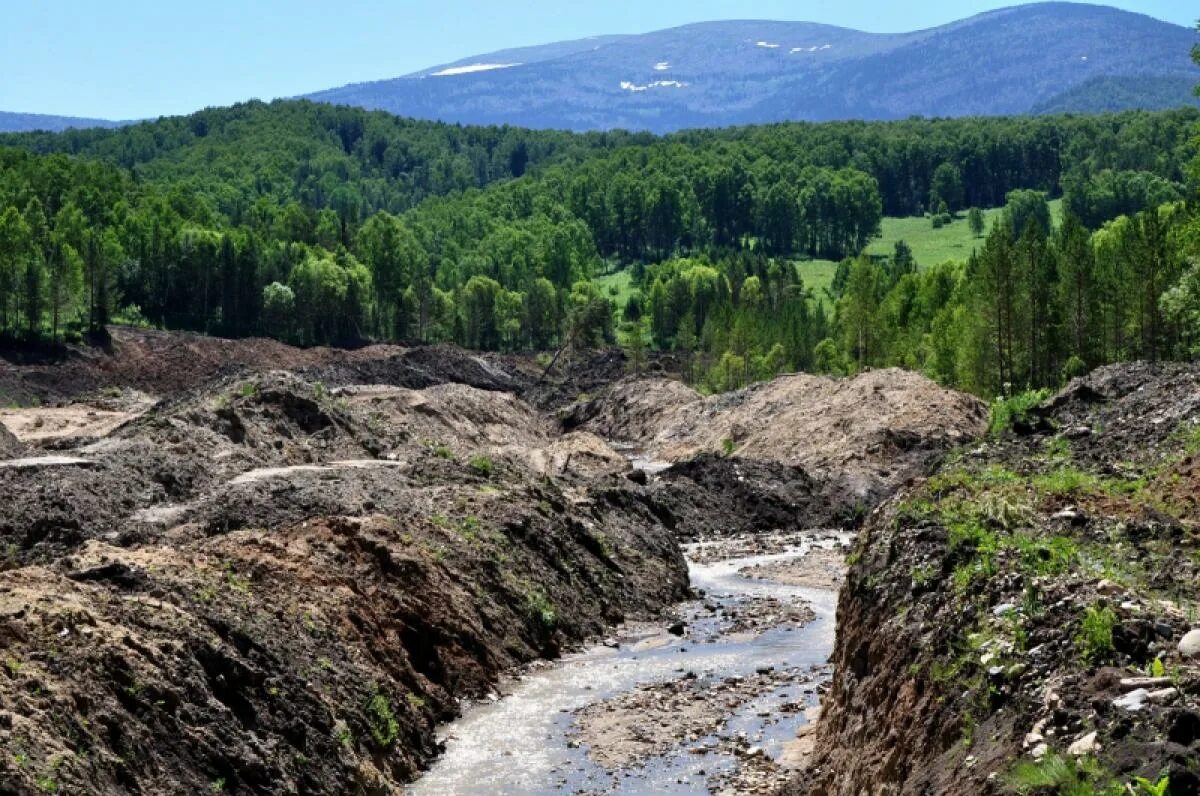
{"x":481,"y":466}
{"x":248,"y":390}
{"x":385,"y":729}
{"x":923,"y":574}
{"x":818,"y":276}
{"x":1040,"y":556}
{"x":617,"y":286}
{"x":728,"y":447}
{"x":442,"y":452}
{"x":236,"y":582}
{"x":1063,"y":776}
{"x":470,"y":527}
{"x":1148,"y":787}
{"x":539,"y":607}
{"x":1006,"y":412}
{"x":1058,"y":449}
{"x":217,"y":785}
{"x":952,"y":242}
{"x":414,"y":700}
{"x":1095,"y":637}
{"x":441,"y":521}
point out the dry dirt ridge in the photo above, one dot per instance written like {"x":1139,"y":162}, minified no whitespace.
{"x":274,"y":583}
{"x":1025,"y":621}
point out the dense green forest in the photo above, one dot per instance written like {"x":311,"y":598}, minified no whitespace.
{"x":320,"y":224}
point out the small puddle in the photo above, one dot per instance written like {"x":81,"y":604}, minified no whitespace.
{"x":525,"y":742}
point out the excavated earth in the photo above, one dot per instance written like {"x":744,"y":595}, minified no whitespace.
{"x":237,"y":566}
{"x":1019,"y":622}
{"x":855,"y":441}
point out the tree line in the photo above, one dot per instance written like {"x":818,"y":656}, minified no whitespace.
{"x":318,"y":224}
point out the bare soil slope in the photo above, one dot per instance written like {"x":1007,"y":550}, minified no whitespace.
{"x":1002,"y":622}
{"x":855,"y":440}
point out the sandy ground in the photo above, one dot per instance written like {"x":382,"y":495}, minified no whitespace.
{"x":820,"y":569}
{"x":88,"y":420}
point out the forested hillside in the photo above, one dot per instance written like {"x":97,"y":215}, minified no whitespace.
{"x":317,"y":224}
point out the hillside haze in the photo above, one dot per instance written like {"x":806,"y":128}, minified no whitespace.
{"x":24,"y":122}
{"x":1058,"y":56}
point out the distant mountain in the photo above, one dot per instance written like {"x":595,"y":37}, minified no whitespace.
{"x":1121,"y":93}
{"x":28,"y":122}
{"x":1011,"y":61}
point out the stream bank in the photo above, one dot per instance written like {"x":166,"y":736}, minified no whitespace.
{"x":708,"y":702}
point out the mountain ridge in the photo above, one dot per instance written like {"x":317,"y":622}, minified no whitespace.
{"x":761,"y":71}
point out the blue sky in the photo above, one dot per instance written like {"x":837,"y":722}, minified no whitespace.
{"x":122,"y":59}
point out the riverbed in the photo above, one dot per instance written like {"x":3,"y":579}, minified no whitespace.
{"x":748,"y":660}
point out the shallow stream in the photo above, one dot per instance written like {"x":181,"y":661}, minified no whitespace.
{"x":523,"y":742}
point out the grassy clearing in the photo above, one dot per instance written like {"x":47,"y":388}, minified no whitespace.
{"x":953,"y":242}
{"x":618,"y":286}
{"x":930,"y":247}
{"x":817,"y":276}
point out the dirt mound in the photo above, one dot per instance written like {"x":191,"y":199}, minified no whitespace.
{"x":314,"y":658}
{"x":282,"y":581}
{"x":1027,"y":606}
{"x":166,"y":363}
{"x":870,"y":433}
{"x":714,"y":496}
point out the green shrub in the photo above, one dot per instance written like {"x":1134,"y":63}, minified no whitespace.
{"x":541,"y":609}
{"x":1006,"y":412}
{"x":1054,"y":774}
{"x":481,"y":466}
{"x":384,"y":727}
{"x":1074,"y":368}
{"x":1096,"y":634}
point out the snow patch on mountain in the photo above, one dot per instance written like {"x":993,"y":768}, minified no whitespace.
{"x":627,"y":85}
{"x":469,"y":69}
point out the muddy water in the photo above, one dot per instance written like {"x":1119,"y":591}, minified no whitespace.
{"x":524,"y":742}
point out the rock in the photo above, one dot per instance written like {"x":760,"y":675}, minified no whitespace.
{"x":1003,"y":609}
{"x":1084,"y":746}
{"x":1040,"y":751}
{"x":1133,"y":701}
{"x":1189,"y":645}
{"x":677,"y":628}
{"x":1162,"y":695}
{"x":1130,"y":683}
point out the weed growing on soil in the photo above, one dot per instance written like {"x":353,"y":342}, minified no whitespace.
{"x":248,"y":390}
{"x":442,"y":452}
{"x":1007,"y":412}
{"x":383,"y":725}
{"x":1063,"y":776}
{"x":541,"y":609}
{"x":1096,"y":634}
{"x":481,"y":466}
{"x":728,"y":447}
{"x":1149,"y":787}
